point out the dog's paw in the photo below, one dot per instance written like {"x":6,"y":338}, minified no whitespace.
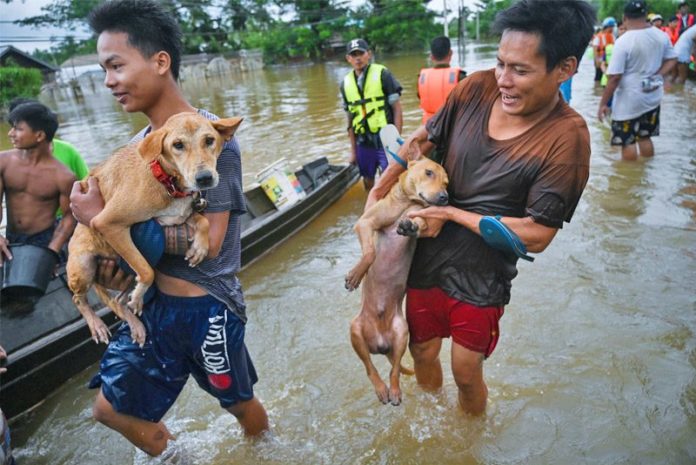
{"x":407,"y":227}
{"x":382,"y":392}
{"x":135,"y":303}
{"x":100,"y":332}
{"x":395,"y":395}
{"x":138,"y":333}
{"x":195,"y":254}
{"x":352,"y":281}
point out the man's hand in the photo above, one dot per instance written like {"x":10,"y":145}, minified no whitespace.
{"x":604,"y":112}
{"x":86,"y":205}
{"x":111,"y":276}
{"x":436,"y":217}
{"x":4,"y":250}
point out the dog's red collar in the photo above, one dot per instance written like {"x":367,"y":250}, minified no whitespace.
{"x":166,"y":180}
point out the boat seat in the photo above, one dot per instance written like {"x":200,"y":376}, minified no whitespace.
{"x":316,"y":169}
{"x":258,"y":203}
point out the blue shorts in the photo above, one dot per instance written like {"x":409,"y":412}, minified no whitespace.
{"x":185,"y":335}
{"x":369,"y":159}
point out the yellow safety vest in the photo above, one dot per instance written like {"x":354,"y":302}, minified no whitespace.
{"x":367,"y":107}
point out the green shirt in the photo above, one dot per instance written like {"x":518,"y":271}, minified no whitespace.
{"x":67,"y":154}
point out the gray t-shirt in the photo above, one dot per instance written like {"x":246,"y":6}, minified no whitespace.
{"x":638,"y":54}
{"x":217,"y":275}
{"x":684,"y":45}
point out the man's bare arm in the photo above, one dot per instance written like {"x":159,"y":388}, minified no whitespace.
{"x":536,"y":237}
{"x":67,"y":224}
{"x":178,"y":238}
{"x":612,"y":84}
{"x":4,"y":249}
{"x":353,"y":159}
{"x":398,"y":115}
{"x":667,"y":67}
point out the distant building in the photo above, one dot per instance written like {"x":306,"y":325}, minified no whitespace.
{"x":76,"y":66}
{"x":11,"y":56}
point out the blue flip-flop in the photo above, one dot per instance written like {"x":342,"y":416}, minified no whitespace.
{"x":502,"y":238}
{"x":392,"y":141}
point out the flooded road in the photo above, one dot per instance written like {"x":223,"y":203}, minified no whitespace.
{"x":597,"y":359}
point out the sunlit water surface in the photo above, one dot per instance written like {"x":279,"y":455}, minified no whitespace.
{"x":597,"y":359}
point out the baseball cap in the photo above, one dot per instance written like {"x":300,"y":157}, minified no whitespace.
{"x":609,"y":22}
{"x":357,"y":44}
{"x":636,"y":7}
{"x":655,"y":18}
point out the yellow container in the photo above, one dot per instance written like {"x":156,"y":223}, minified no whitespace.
{"x":280,"y":184}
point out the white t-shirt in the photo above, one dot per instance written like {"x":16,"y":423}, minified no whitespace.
{"x":638,"y":54}
{"x":683,"y":46}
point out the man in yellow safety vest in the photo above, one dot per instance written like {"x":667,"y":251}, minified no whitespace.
{"x":371,"y":101}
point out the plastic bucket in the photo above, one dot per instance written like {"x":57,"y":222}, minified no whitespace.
{"x":29,"y":271}
{"x":281,"y":185}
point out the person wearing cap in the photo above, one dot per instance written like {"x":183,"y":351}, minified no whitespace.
{"x":642,"y":57}
{"x":599,"y":43}
{"x":684,"y":18}
{"x":371,"y":101}
{"x":435,"y":83}
{"x":683,"y":48}
{"x":514,"y":152}
{"x":657,"y":21}
{"x":672,"y":30}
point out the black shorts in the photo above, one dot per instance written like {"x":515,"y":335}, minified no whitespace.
{"x":629,"y":132}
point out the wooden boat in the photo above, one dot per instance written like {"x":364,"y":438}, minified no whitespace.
{"x":47,"y":340}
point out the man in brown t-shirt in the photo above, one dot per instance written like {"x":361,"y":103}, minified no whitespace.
{"x":512,"y":148}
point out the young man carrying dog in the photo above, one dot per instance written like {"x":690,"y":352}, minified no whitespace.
{"x":513,"y":148}
{"x":195,"y":321}
{"x":34,"y":183}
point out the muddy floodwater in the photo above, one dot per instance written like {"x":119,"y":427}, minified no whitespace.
{"x":597,"y":359}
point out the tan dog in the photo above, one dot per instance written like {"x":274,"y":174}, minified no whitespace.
{"x":387,"y":251}
{"x":186,"y":148}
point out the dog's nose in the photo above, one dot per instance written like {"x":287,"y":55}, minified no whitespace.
{"x":442,"y":198}
{"x":204,"y":179}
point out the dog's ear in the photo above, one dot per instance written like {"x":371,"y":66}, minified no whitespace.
{"x":414,"y":151}
{"x":227,"y":126}
{"x":151,"y":147}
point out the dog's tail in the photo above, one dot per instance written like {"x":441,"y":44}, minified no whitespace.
{"x":406,"y":371}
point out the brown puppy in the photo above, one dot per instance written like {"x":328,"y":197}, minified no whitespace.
{"x":184,"y":153}
{"x":387,"y":250}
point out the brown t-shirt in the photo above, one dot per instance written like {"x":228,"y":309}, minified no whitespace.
{"x":540,"y":173}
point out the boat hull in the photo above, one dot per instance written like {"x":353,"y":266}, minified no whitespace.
{"x":50,"y":343}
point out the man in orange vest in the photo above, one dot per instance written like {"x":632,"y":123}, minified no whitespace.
{"x":672,"y":29}
{"x":599,"y":44}
{"x":435,"y":84}
{"x":686,"y":19}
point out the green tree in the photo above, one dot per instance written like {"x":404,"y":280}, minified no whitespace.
{"x":487,"y":9}
{"x":18,"y":82}
{"x":395,"y":25}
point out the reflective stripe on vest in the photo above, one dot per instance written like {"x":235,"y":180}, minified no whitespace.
{"x":434,"y":85}
{"x":367,"y":107}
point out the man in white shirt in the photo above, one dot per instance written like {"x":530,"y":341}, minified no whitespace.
{"x":642,"y":56}
{"x":683,"y":48}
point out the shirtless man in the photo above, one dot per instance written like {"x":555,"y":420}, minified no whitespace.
{"x":34,"y":182}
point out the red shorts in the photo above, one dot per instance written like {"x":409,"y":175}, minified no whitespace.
{"x":431,"y":313}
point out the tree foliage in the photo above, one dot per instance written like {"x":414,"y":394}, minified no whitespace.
{"x":284,"y":29}
{"x":18,"y":82}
